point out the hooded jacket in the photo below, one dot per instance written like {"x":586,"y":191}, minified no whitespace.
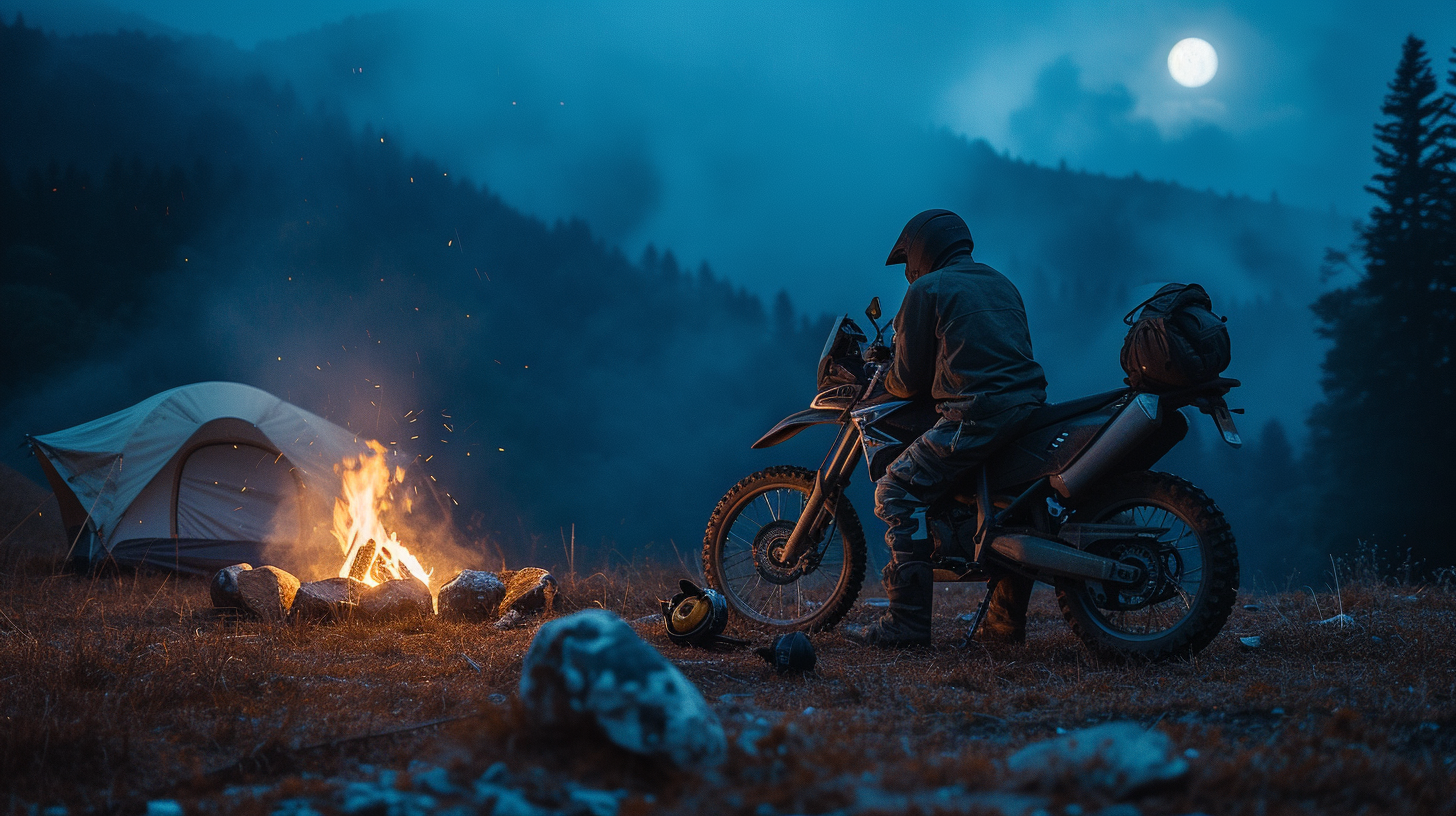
{"x":961,"y":338}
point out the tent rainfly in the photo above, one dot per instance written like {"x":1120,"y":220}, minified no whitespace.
{"x":198,"y":478}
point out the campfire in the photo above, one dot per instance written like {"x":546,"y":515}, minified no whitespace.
{"x":380,"y":579}
{"x":372,"y":554}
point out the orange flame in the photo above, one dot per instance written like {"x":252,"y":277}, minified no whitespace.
{"x":368,"y":492}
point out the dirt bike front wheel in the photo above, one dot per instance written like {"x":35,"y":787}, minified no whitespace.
{"x":1191,"y":570}
{"x":744,"y":545}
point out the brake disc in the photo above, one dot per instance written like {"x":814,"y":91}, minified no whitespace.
{"x":768,"y":553}
{"x":1158,"y":567}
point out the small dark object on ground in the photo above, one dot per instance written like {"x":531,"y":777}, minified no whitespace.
{"x":790,"y":653}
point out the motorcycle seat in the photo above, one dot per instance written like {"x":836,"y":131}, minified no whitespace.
{"x":1055,"y":412}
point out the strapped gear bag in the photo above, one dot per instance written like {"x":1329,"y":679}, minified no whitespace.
{"x":1176,"y":342}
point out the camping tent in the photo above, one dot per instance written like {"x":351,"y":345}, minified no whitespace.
{"x":197,"y":478}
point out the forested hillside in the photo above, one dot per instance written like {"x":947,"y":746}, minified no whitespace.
{"x":171,"y":213}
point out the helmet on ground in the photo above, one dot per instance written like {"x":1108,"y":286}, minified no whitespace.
{"x":928,"y":241}
{"x":695,"y":616}
{"x":790,"y":653}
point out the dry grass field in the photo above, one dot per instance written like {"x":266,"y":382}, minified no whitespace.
{"x":118,"y":690}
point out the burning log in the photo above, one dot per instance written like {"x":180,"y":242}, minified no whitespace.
{"x":472,"y":596}
{"x":362,"y":564}
{"x":331,"y":599}
{"x":224,"y":588}
{"x":267,"y":592}
{"x":371,"y":552}
{"x":396,"y":599}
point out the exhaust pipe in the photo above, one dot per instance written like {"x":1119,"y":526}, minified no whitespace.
{"x":1132,"y":425}
{"x":1057,"y":558}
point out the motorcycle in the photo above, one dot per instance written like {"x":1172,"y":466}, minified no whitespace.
{"x":1144,"y":563}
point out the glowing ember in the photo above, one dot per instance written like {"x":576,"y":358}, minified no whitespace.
{"x":371,"y":553}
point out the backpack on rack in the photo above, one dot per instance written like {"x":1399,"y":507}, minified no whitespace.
{"x":1177,"y":341}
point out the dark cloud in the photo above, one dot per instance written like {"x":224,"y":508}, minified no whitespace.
{"x":1087,"y":127}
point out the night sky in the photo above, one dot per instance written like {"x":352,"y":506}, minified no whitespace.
{"x":779,"y":143}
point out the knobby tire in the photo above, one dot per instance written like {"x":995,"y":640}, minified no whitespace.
{"x":741,"y":495}
{"x":1215,"y":600}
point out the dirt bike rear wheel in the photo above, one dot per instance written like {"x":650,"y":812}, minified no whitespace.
{"x":1196,"y":555}
{"x":745,"y":536}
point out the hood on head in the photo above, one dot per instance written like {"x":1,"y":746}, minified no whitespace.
{"x":929,"y":241}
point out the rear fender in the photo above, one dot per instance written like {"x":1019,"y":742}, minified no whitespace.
{"x":791,"y":425}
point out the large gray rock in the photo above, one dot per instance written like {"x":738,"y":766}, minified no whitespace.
{"x":266,"y":592}
{"x":395,"y":600}
{"x":528,"y":591}
{"x":472,"y":595}
{"x":591,"y":667}
{"x":332,"y":599}
{"x":224,"y":588}
{"x":1115,"y":758}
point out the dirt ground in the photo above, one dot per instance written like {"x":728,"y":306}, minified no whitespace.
{"x":118,"y":690}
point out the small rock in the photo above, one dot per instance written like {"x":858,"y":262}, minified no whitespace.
{"x":879,"y":603}
{"x":596,"y":802}
{"x":1116,"y":758}
{"x":509,"y":619}
{"x":224,"y":588}
{"x":267,"y":592}
{"x":495,"y":798}
{"x":396,"y":599}
{"x":331,"y":599}
{"x":381,"y":797}
{"x":432,"y":780}
{"x":1341,"y":620}
{"x":472,"y":595}
{"x":295,"y":807}
{"x":1119,"y":809}
{"x":528,"y":590}
{"x":164,"y":807}
{"x":590,"y":667}
{"x":1252,"y":607}
{"x":1251,"y":642}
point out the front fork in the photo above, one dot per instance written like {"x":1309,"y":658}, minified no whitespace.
{"x":829,"y":484}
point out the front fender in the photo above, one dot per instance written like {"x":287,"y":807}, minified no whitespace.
{"x":790,"y":425}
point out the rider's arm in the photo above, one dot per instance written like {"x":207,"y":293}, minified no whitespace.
{"x":913,"y":368}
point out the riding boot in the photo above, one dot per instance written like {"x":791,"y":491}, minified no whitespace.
{"x":1006,"y":614}
{"x":910,"y":587}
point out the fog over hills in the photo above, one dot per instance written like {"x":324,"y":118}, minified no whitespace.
{"x":177,"y":210}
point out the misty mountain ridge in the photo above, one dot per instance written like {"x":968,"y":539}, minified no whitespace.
{"x":270,"y":241}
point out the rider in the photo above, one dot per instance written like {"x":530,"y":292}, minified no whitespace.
{"x":960,"y":339}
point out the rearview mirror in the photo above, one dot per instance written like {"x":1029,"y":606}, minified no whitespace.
{"x":873,"y":311}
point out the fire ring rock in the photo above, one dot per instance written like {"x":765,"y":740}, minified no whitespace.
{"x":472,"y":595}
{"x":266,"y":592}
{"x":528,"y":590}
{"x":396,"y":599}
{"x":224,"y":588}
{"x":331,"y":599}
{"x":591,"y":668}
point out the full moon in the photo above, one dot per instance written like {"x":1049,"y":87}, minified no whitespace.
{"x":1192,"y":62}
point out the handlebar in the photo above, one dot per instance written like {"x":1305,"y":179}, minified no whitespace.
{"x":877,"y":353}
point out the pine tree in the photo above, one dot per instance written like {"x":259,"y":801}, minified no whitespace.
{"x":1383,"y":437}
